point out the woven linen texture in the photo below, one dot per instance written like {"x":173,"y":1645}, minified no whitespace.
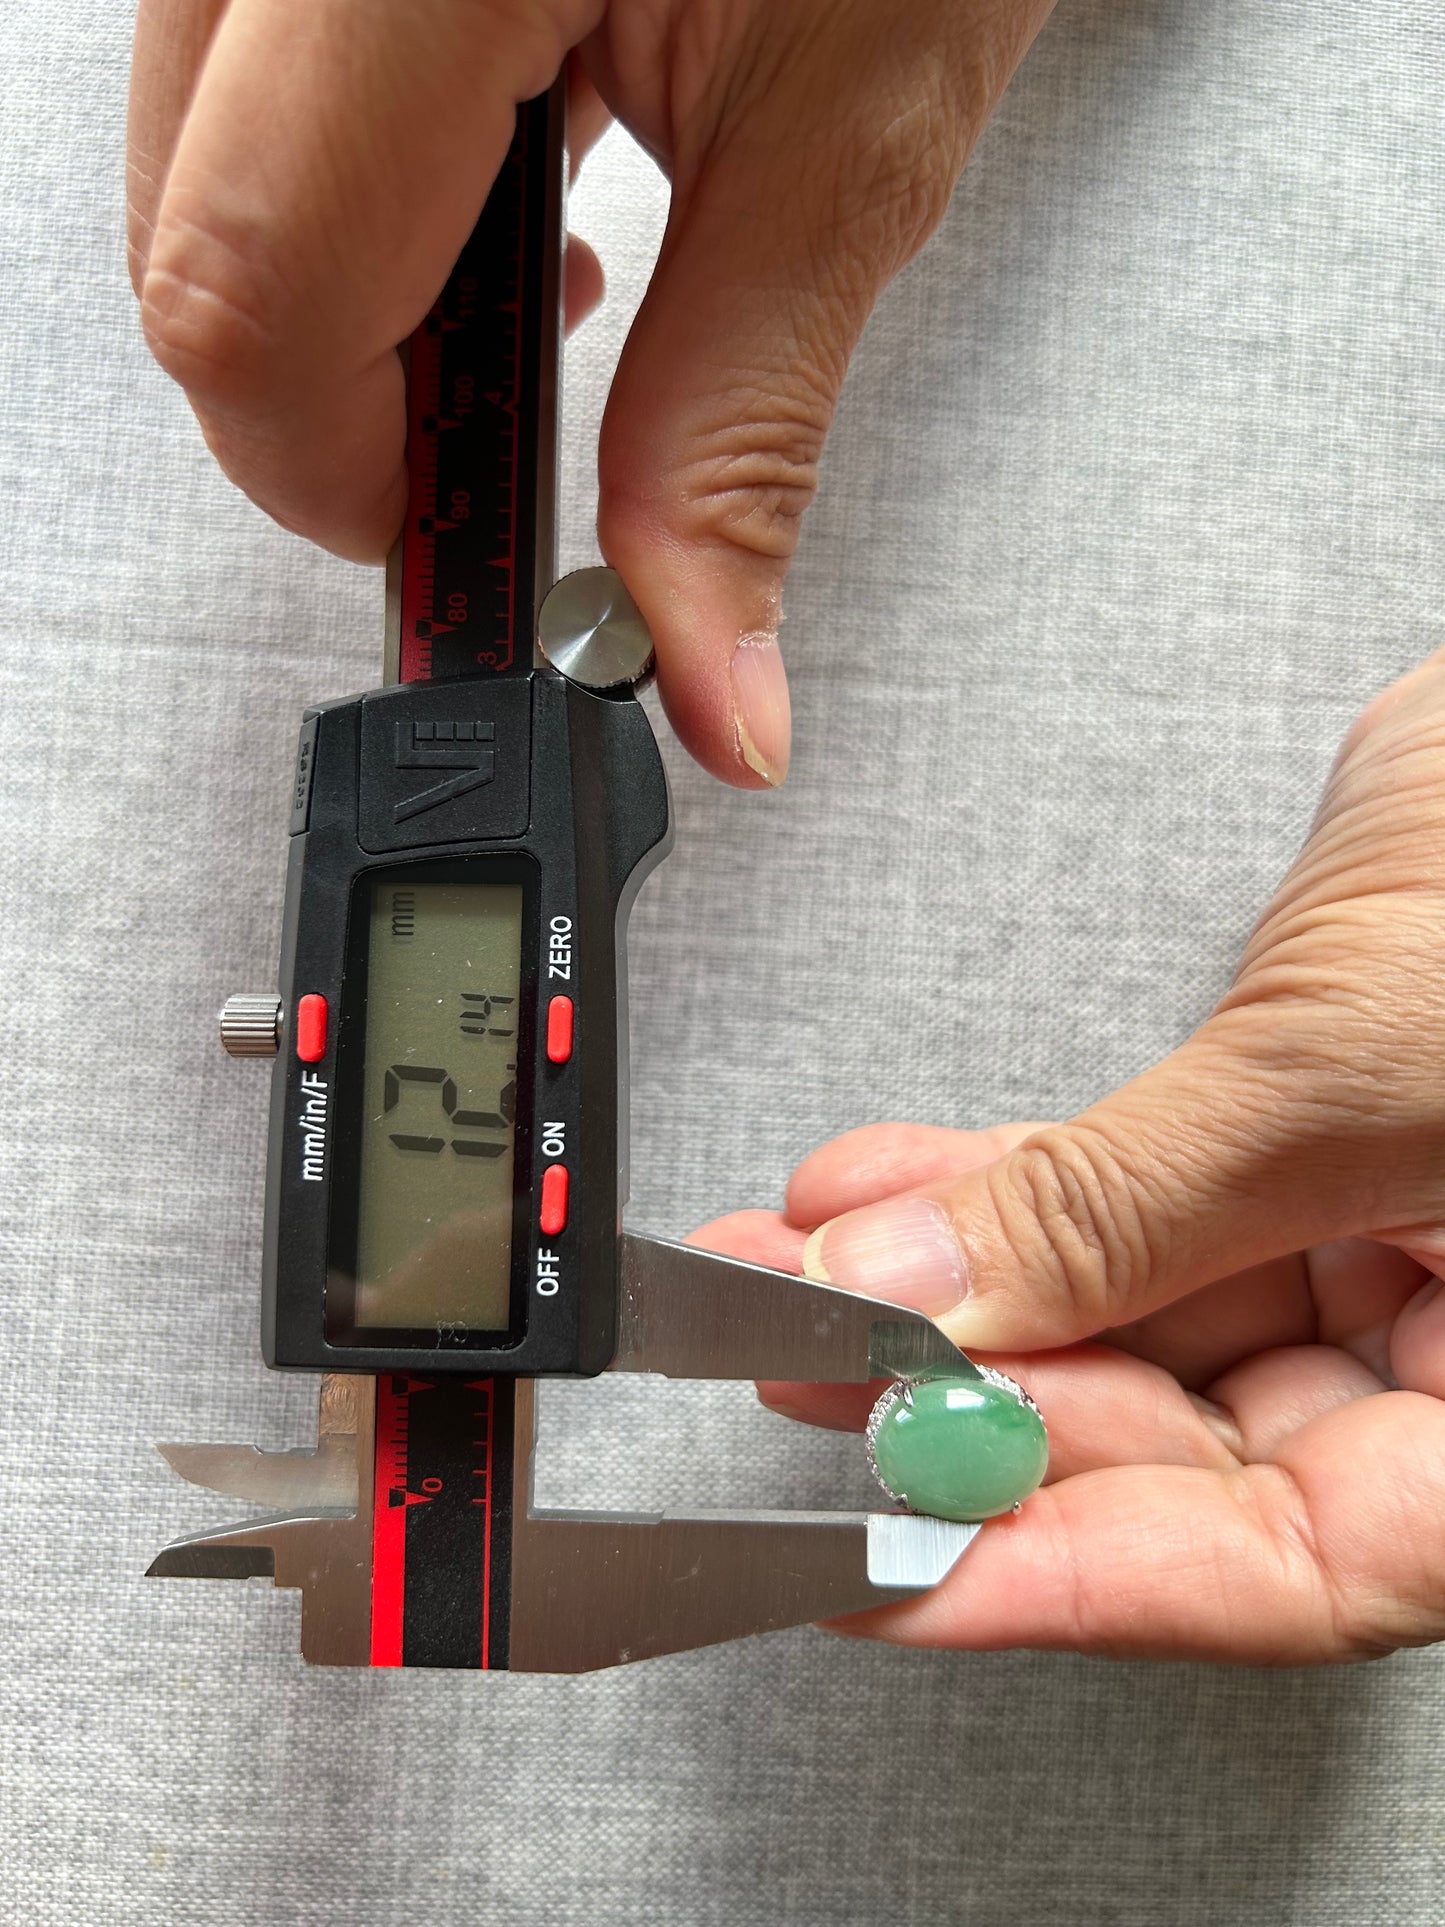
{"x":1135,"y":495}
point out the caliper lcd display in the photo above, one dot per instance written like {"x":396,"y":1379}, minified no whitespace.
{"x":438,"y":1118}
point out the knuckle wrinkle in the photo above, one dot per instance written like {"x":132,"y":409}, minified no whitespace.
{"x":205,"y":321}
{"x":1069,"y":1212}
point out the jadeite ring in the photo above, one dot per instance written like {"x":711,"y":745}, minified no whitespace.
{"x":958,"y":1448}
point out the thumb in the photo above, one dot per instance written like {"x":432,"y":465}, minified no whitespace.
{"x":813,"y":164}
{"x":1218,"y":1159}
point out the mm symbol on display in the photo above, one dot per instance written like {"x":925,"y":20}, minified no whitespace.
{"x":403,"y":915}
{"x":455,"y":746}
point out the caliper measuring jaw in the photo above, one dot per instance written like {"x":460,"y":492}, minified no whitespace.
{"x":582,"y":1590}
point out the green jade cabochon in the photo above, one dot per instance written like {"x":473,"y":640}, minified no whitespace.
{"x":958,"y":1448}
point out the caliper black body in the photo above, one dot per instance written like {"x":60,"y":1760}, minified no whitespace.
{"x":525,"y":780}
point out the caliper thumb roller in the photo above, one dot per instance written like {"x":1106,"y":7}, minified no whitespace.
{"x":447,"y":1157}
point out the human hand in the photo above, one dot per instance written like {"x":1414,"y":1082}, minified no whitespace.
{"x":1221,"y":1284}
{"x":302,"y":179}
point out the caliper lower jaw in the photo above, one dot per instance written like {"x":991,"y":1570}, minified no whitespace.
{"x":598,"y":1589}
{"x":589,"y":1590}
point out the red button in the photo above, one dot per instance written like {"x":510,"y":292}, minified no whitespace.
{"x":311,"y":1028}
{"x":559,"y":1030}
{"x":553,"y":1216}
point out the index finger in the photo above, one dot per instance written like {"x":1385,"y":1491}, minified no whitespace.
{"x":332,"y":163}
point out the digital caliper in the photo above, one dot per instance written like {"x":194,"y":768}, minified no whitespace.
{"x":447,"y":1153}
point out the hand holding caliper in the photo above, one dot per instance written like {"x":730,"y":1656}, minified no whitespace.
{"x":303,"y":179}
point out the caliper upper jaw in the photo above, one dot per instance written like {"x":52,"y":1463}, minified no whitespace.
{"x":689,"y":1313}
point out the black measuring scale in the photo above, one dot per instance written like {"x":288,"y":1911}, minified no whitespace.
{"x":447,"y":1152}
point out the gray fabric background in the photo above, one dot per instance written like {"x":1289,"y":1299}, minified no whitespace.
{"x":1135,"y":494}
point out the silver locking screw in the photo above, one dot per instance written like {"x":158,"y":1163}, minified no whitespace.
{"x":591,"y":630}
{"x":251,"y":1026}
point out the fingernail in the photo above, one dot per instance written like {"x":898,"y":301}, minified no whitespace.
{"x":762,"y":711}
{"x":904,"y":1250}
{"x":1224,"y":1428}
{"x":1417,"y":1342}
